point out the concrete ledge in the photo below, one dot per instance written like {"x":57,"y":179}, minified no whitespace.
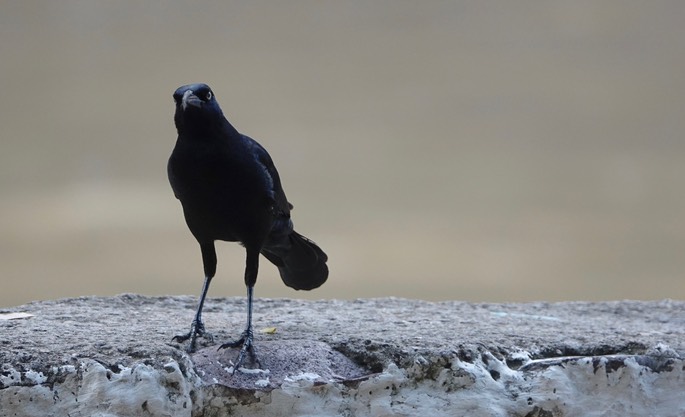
{"x":113,"y":356}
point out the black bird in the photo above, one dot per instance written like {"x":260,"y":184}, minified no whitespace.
{"x":230,"y":190}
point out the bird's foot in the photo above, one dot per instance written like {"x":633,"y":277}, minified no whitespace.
{"x":246,"y":347}
{"x":197,"y":329}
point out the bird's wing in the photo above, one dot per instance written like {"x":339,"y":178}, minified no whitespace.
{"x":172,"y":176}
{"x":281,"y":205}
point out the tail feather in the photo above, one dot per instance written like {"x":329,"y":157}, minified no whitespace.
{"x":301,"y":263}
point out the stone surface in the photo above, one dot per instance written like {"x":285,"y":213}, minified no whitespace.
{"x":96,"y":356}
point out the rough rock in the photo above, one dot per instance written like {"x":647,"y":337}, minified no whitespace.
{"x":96,"y":356}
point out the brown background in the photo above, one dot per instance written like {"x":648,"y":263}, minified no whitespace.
{"x":489,"y":151}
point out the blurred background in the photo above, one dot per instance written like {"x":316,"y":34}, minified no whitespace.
{"x":482,"y":151}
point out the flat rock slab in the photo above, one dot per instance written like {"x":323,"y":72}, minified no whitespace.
{"x":279,"y":362}
{"x":105,"y":356}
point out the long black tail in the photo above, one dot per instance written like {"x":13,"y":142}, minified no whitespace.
{"x":301,"y":263}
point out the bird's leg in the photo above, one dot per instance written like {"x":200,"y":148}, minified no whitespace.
{"x":246,"y":339}
{"x":197,"y":327}
{"x":245,"y":343}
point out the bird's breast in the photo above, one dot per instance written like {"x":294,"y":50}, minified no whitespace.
{"x":211,"y":179}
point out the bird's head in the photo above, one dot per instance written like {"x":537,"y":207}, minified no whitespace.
{"x":196,"y":107}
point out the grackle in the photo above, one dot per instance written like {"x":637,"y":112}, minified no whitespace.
{"x":230,"y":190}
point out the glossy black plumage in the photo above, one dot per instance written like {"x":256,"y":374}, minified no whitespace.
{"x":230,"y":190}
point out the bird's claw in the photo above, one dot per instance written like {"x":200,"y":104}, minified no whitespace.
{"x":197,"y":329}
{"x":246,"y":347}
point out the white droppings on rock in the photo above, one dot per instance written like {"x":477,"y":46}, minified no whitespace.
{"x":34,"y":377}
{"x":262,"y":383}
{"x":243,"y":370}
{"x":64,"y":369}
{"x":9,"y":376}
{"x":305,"y":376}
{"x":15,"y":316}
{"x":663,"y":350}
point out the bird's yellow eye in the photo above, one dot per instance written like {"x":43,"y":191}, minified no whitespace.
{"x":209,"y":95}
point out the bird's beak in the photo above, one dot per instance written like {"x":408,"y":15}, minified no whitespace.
{"x":190,"y":99}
